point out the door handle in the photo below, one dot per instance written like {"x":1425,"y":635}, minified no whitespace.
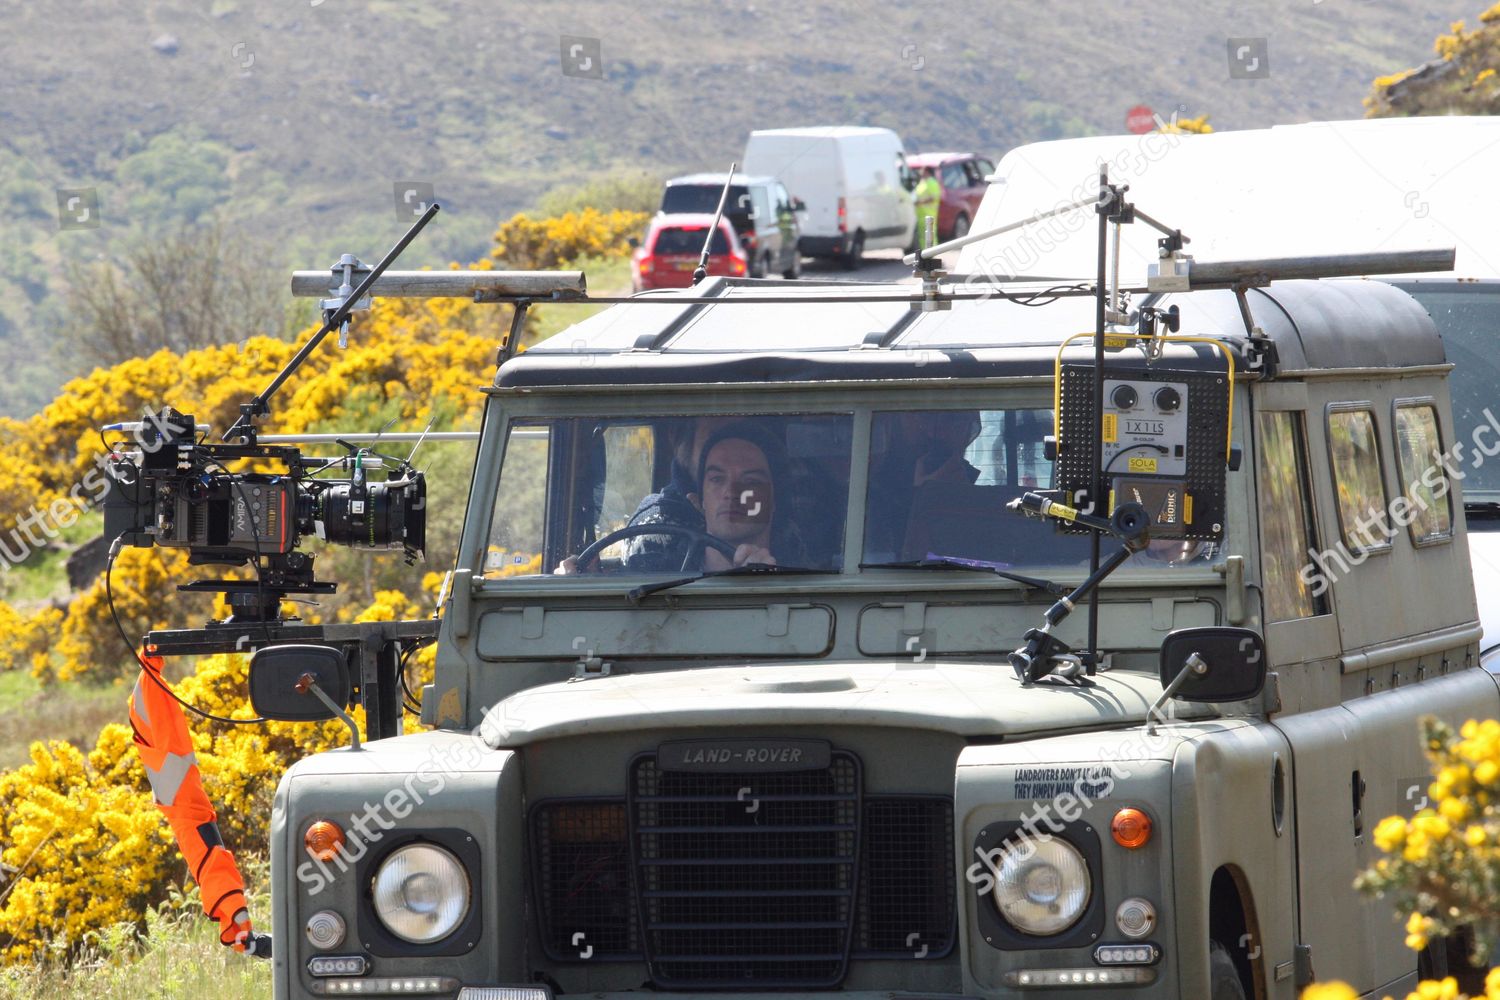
{"x":1357,"y":790}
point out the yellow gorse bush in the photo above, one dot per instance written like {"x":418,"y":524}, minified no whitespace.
{"x":1456,"y":84}
{"x":1442,"y":860}
{"x":25,"y":639}
{"x":1428,"y":989}
{"x":89,"y":849}
{"x":526,"y":244}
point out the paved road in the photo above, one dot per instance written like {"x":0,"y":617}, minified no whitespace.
{"x":878,"y":265}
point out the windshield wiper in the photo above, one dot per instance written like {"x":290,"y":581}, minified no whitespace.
{"x":1484,"y":509}
{"x":973,"y":566}
{"x":749,"y":569}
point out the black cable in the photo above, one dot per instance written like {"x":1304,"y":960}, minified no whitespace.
{"x":1045,"y":297}
{"x":109,"y":595}
{"x":1161,"y":449}
{"x":409,"y":697}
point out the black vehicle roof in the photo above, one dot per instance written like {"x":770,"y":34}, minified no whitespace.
{"x":1315,"y":325}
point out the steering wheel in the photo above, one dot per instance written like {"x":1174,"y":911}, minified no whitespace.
{"x":695,"y":535}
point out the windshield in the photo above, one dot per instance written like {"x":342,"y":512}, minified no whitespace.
{"x":689,"y":241}
{"x":674,"y":495}
{"x":1468,"y":318}
{"x":939,"y":483}
{"x":668,"y":494}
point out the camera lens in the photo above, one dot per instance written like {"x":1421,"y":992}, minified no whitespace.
{"x":375,"y":515}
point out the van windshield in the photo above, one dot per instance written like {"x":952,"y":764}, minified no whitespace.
{"x":703,"y":199}
{"x":1468,"y":318}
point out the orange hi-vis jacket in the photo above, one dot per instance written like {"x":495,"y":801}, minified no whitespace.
{"x":166,"y":749}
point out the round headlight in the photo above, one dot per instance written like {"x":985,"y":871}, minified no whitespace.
{"x":421,"y":893}
{"x":1043,"y":886}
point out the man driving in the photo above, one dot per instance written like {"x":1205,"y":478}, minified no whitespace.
{"x":739,"y":466}
{"x":737,"y":495}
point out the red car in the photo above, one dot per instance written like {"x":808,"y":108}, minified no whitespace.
{"x":669,"y":254}
{"x":962,"y":178}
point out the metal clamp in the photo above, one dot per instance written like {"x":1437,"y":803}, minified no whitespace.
{"x":349,"y":271}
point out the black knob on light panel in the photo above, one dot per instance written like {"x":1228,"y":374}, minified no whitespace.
{"x":1124,"y":397}
{"x":1168,"y":399}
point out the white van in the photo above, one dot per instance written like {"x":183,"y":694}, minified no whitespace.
{"x":854,"y":181}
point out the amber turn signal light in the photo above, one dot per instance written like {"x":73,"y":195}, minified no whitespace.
{"x":323,"y":840}
{"x":1131,"y":828}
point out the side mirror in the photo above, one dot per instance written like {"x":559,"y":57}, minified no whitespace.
{"x":634,"y":242}
{"x":1213,"y":664}
{"x":798,"y":205}
{"x":277,"y":689}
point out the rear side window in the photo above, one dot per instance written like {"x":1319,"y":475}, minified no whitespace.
{"x":1286,"y":530}
{"x":676,"y":239}
{"x":1354,"y":450}
{"x":760,"y":200}
{"x":953,"y":176}
{"x":703,"y":199}
{"x":1424,"y":481}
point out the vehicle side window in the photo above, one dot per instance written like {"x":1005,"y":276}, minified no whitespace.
{"x":783,"y":200}
{"x":952,"y":176}
{"x":1286,"y":528}
{"x":985,"y":168}
{"x":517,"y":536}
{"x":1427,"y":509}
{"x":976,"y":174}
{"x":761,"y":200}
{"x":1354,"y":450}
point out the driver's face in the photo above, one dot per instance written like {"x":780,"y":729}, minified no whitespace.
{"x":739,"y":498}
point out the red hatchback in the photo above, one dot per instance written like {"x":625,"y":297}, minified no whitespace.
{"x":669,"y":254}
{"x":962,"y":178}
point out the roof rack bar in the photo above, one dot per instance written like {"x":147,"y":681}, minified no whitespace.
{"x":979,"y":295}
{"x":412,"y":436}
{"x":493,"y":285}
{"x":877,"y":339}
{"x":713,"y":292}
{"x":1192,"y":275}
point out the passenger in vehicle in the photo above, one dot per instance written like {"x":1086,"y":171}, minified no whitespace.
{"x":922,"y":447}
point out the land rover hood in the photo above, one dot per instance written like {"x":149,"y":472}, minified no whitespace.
{"x":970,"y":700}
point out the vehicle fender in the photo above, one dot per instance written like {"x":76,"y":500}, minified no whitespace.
{"x":1230,"y":811}
{"x":445,"y":782}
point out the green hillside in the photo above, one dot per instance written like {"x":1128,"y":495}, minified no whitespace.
{"x":293,"y":121}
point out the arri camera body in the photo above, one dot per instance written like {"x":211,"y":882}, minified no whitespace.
{"x":174,"y":489}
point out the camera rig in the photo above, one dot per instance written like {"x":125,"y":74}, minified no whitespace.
{"x":177,"y":491}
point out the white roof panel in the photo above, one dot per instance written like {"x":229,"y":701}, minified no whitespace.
{"x":1323,"y":187}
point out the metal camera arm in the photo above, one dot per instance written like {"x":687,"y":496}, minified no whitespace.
{"x":1130,"y":524}
{"x":244,"y":427}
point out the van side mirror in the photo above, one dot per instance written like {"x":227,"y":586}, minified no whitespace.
{"x":634,"y":242}
{"x":798,"y":205}
{"x":277,"y":672}
{"x":1213,"y":664}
